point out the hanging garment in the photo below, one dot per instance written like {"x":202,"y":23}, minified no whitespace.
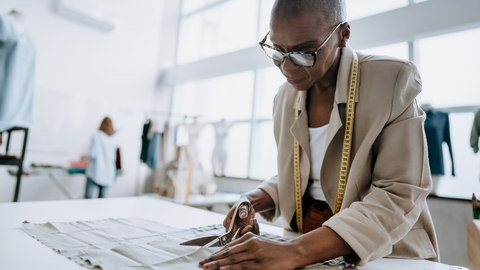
{"x":154,"y":154}
{"x":145,"y":140}
{"x":437,"y":131}
{"x":17,"y":68}
{"x":475,"y":132}
{"x":102,"y":155}
{"x":118,"y":161}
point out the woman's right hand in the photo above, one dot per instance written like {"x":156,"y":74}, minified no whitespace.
{"x":245,"y":217}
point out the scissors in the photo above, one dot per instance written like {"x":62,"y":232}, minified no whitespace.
{"x":219,"y":240}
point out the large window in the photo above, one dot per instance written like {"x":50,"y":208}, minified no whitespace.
{"x":212,"y":29}
{"x":449,"y":73}
{"x":398,"y":50}
{"x":357,"y":9}
{"x":449,"y":68}
{"x":225,"y":27}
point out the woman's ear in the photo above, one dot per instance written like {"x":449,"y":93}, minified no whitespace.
{"x":345,"y":34}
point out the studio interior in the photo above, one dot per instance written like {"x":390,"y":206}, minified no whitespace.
{"x":131,"y":129}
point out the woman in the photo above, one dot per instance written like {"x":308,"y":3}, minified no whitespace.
{"x":101,"y":171}
{"x":383,"y":210}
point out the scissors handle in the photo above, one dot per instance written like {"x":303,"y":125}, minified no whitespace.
{"x":235,"y":213}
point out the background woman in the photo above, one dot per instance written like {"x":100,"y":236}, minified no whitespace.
{"x":101,"y":171}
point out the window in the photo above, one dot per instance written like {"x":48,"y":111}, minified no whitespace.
{"x":264,"y":149}
{"x":213,"y":100}
{"x":190,"y":6}
{"x":467,"y":164}
{"x":357,"y":9}
{"x":449,"y":69}
{"x":223,"y":28}
{"x":227,"y":97}
{"x":399,"y":50}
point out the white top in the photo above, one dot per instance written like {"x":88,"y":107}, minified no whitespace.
{"x":20,"y":251}
{"x":103,"y":154}
{"x":318,"y":141}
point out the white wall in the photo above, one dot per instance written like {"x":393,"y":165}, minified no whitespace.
{"x":82,"y":75}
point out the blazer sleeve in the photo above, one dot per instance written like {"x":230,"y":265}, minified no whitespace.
{"x":400,"y":181}
{"x":271,"y":188}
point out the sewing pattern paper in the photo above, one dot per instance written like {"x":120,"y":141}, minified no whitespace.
{"x":126,"y":244}
{"x":120,"y":244}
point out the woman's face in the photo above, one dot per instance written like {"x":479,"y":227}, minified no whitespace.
{"x":305,"y":33}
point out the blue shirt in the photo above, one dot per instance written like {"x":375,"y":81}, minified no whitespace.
{"x":103,"y":154}
{"x":17,"y":68}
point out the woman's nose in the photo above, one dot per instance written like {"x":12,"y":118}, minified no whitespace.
{"x":287,"y":66}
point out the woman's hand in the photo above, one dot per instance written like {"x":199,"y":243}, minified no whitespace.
{"x":245,"y":218}
{"x":252,"y":252}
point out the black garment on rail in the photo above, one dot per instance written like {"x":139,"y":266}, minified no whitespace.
{"x":437,"y":130}
{"x":145,"y":141}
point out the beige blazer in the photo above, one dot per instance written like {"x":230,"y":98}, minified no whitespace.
{"x":384,"y":212}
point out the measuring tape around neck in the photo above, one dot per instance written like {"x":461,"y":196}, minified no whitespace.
{"x":346,"y":149}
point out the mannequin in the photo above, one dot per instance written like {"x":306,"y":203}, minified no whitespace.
{"x":17,"y":53}
{"x":219,"y":156}
{"x":18,"y":21}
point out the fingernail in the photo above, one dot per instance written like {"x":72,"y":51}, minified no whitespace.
{"x":201,"y":262}
{"x":223,"y":268}
{"x":207,"y":266}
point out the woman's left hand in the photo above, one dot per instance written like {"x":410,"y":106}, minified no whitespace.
{"x":252,"y":252}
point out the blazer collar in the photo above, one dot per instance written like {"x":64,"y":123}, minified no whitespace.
{"x":343,"y":76}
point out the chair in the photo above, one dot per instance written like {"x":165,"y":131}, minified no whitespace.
{"x":9,"y":160}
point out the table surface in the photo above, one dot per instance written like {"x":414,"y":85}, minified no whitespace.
{"x":20,"y":251}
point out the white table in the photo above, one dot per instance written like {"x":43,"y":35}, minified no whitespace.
{"x":19,"y":251}
{"x":199,"y":200}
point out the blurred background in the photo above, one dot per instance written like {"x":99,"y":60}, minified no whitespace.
{"x":190,"y":96}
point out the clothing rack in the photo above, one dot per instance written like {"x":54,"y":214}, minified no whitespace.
{"x":460,"y":109}
{"x":8,"y":160}
{"x":169,"y":114}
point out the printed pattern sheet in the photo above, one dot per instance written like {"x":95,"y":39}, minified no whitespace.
{"x":133,"y":244}
{"x":119,"y":244}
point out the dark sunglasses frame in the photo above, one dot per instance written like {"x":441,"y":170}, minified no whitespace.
{"x":287,"y":54}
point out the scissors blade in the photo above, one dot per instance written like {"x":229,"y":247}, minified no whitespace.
{"x":202,"y":241}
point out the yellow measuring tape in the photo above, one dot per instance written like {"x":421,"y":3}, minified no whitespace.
{"x":346,"y":149}
{"x":298,"y":178}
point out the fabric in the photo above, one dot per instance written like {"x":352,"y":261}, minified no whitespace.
{"x":102,"y":155}
{"x":129,"y":244}
{"x":90,"y":186}
{"x":17,"y":73}
{"x":318,"y":140}
{"x":120,"y":244}
{"x":475,"y":132}
{"x":384,"y":211}
{"x":145,"y":141}
{"x":437,"y":130}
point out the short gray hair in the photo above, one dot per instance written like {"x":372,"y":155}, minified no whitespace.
{"x":332,"y":11}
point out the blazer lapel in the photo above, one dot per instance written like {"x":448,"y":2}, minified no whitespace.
{"x":329,"y":173}
{"x":341,"y":92}
{"x":299,"y":130}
